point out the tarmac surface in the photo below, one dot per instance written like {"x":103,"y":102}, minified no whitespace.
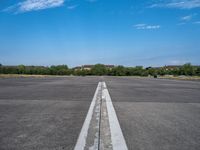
{"x":48,"y":113}
{"x":43,"y":113}
{"x":157,"y":114}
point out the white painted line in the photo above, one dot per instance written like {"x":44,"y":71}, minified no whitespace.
{"x":118,"y":141}
{"x":81,"y":142}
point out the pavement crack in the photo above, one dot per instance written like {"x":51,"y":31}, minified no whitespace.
{"x":100,"y":117}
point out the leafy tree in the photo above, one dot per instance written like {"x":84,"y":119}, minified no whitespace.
{"x":144,"y":73}
{"x":21,"y":69}
{"x":187,"y":69}
{"x":98,"y":69}
{"x":59,"y":70}
{"x":161,"y":71}
{"x":119,"y":71}
{"x":197,"y":71}
{"x":137,"y":71}
{"x":152,"y":71}
{"x":0,"y":68}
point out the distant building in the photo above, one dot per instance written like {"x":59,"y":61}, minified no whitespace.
{"x":89,"y":67}
{"x":77,"y":68}
{"x":109,"y":66}
{"x":171,"y":67}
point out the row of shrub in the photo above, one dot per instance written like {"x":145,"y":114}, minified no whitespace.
{"x":100,"y":69}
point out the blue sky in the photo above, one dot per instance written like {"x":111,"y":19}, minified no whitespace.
{"x":120,"y":32}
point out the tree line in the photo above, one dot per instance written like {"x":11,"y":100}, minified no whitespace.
{"x":100,"y":69}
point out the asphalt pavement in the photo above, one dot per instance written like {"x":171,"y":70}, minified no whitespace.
{"x":48,"y":113}
{"x":43,"y":113}
{"x":157,"y":114}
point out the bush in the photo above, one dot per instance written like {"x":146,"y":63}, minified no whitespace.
{"x":100,"y":69}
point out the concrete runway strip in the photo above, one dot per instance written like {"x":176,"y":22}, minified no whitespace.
{"x":101,"y":129}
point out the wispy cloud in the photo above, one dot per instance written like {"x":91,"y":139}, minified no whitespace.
{"x":72,"y":7}
{"x":197,"y":22}
{"x":91,"y":1}
{"x":29,"y":5}
{"x":182,"y":23}
{"x":181,"y":4}
{"x":10,"y":8}
{"x":186,"y":18}
{"x":146,"y":27}
{"x":32,"y":5}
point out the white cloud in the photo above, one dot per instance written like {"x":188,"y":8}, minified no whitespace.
{"x":146,"y":27}
{"x":140,"y":25}
{"x":72,"y":7}
{"x":30,"y":5}
{"x":181,"y":4}
{"x":186,"y":18}
{"x":91,"y":1}
{"x":34,"y":5}
{"x":197,"y":22}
